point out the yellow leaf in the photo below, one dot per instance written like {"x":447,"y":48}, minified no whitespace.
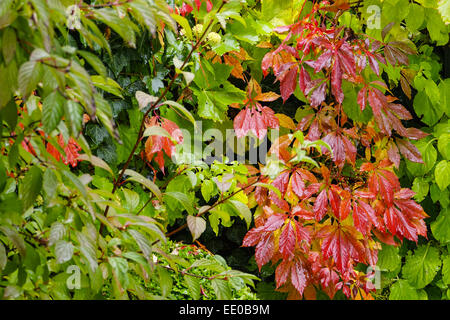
{"x":285,"y":121}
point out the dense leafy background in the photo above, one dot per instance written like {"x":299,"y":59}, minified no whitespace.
{"x":83,"y":78}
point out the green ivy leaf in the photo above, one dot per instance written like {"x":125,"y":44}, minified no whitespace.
{"x":388,"y":258}
{"x":421,"y":267}
{"x":420,"y":187}
{"x":442,"y":174}
{"x":402,"y":290}
{"x":441,"y":226}
{"x":444,"y":145}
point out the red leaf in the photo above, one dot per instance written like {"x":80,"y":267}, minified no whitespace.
{"x":304,"y":79}
{"x":287,"y":240}
{"x":399,"y":224}
{"x":288,"y":83}
{"x":321,"y":205}
{"x":264,"y":250}
{"x":377,"y":101}
{"x":409,"y":151}
{"x":415,"y":134}
{"x":318,"y":96}
{"x":393,"y":154}
{"x":298,"y":275}
{"x":334,"y":139}
{"x":282,"y":273}
{"x":253,"y":236}
{"x":298,"y":186}
{"x":341,"y":244}
{"x":274,"y":222}
{"x":336,"y":82}
{"x":364,"y":216}
{"x":362,"y":98}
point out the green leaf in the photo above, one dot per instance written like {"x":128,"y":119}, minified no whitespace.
{"x":137,"y":177}
{"x":57,"y":232}
{"x":388,"y":258}
{"x":88,"y":250}
{"x":424,"y":107}
{"x":96,"y":161}
{"x":74,"y":116}
{"x":165,"y":281}
{"x":227,"y":44}
{"x":50,"y":184}
{"x":28,"y":77}
{"x":446,"y":269}
{"x":124,"y":27}
{"x":156,"y":131}
{"x":120,"y":269}
{"x":243,"y":211}
{"x":207,"y":189}
{"x":444,"y":10}
{"x":196,"y":225}
{"x":429,"y":156}
{"x":182,"y":109}
{"x":52,"y":111}
{"x":94,"y":61}
{"x":144,"y":99}
{"x":415,"y":17}
{"x":420,"y":187}
{"x":182,"y":21}
{"x":9,"y":43}
{"x":421,"y":267}
{"x":30,"y":187}
{"x":193,"y":284}
{"x":402,"y":290}
{"x":221,"y":289}
{"x":63,"y":251}
{"x":15,"y":238}
{"x":444,"y":145}
{"x":108,"y":85}
{"x":181,"y":198}
{"x":142,"y":242}
{"x":3,"y":257}
{"x":442,"y":174}
{"x":441,"y":226}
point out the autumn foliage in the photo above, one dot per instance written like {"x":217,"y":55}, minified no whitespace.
{"x":326,"y":220}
